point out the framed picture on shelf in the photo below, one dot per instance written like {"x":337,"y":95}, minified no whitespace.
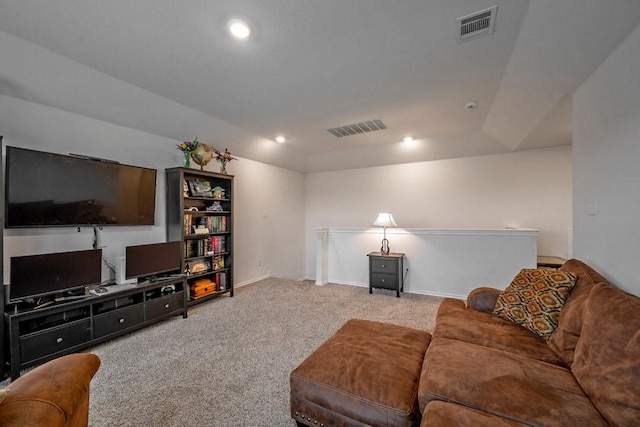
{"x":200,"y":188}
{"x":198,"y":266}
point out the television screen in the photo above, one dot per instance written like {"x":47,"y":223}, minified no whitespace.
{"x":49,"y":190}
{"x":34,"y":276}
{"x":151,"y":260}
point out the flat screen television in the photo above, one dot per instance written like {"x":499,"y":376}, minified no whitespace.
{"x":51,"y":190}
{"x":34,"y":276}
{"x":152,"y":260}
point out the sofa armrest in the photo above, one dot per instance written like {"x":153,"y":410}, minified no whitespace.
{"x":53,"y":394}
{"x":483,"y":299}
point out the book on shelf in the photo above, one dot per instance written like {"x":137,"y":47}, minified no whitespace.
{"x":217,"y":244}
{"x":220,"y":279}
{"x":210,"y":245}
{"x":188,"y":223}
{"x":216,"y":224}
{"x":218,"y":262}
{"x":193,"y":248}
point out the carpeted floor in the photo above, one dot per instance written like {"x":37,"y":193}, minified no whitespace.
{"x":228,"y":363}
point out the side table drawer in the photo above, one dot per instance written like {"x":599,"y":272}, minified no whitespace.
{"x":34,"y":346}
{"x":388,"y":281}
{"x":108,"y":323}
{"x":384,"y":265}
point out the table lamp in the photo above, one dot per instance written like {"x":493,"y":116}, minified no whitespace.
{"x":385,"y":219}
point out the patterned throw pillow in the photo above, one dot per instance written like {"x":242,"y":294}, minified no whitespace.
{"x":535,"y":298}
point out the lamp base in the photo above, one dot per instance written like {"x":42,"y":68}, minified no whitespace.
{"x":384,"y":250}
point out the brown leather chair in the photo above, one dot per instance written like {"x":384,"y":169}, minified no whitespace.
{"x":53,"y":394}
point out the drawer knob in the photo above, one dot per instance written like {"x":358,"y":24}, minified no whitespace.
{"x":121,"y":320}
{"x":382,"y":265}
{"x":166,"y":306}
{"x":382,"y":280}
{"x":59,"y":340}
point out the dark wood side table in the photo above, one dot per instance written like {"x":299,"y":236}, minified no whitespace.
{"x":385,"y":271}
{"x":550,"y":262}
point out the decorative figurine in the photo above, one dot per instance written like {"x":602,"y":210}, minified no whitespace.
{"x":215,"y":207}
{"x":218,"y":192}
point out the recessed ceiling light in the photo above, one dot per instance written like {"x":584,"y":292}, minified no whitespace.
{"x":408,"y":139}
{"x":239,"y":29}
{"x":280,"y":139}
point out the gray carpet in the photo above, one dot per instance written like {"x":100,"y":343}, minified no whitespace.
{"x":228,"y":363}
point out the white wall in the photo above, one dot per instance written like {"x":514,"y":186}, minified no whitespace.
{"x":606,"y":129}
{"x":525,"y":189}
{"x":274,"y":205}
{"x":437,"y":262}
{"x":270,"y":221}
{"x":259,"y":188}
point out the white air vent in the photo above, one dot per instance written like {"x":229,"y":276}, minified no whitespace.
{"x":357,"y":128}
{"x":477,"y":24}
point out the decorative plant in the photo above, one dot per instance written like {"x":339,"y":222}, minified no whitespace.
{"x":187,"y":147}
{"x":223,"y":159}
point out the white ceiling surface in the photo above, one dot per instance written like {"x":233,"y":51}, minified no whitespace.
{"x":168,"y":67}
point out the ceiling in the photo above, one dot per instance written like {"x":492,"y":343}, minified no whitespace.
{"x":169,"y":67}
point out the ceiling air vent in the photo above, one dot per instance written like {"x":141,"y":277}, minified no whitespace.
{"x":477,"y":24}
{"x":357,"y":128}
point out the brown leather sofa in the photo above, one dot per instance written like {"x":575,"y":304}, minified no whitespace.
{"x":481,"y":370}
{"x":53,"y":394}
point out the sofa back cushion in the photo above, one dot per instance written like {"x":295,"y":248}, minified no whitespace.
{"x":563,"y":341}
{"x":607,"y":357}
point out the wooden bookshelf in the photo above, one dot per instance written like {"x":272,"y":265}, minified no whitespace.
{"x":200,"y":216}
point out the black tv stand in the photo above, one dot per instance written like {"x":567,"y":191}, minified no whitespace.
{"x":155,"y":278}
{"x":41,"y":305}
{"x":72,"y":323}
{"x":69,"y":298}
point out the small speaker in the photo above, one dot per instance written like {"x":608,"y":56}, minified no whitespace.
{"x":121,"y":277}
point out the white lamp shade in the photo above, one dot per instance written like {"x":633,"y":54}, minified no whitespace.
{"x":385,"y":219}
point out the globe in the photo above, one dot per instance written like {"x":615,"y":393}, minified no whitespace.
{"x":202,"y":154}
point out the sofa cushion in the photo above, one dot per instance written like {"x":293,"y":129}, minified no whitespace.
{"x":535,"y":298}
{"x":446,"y":414}
{"x":583,"y":272}
{"x":607,"y":357}
{"x":504,"y":384}
{"x":458,"y":322}
{"x":563,"y":341}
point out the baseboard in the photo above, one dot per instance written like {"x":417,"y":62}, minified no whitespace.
{"x":358,"y":285}
{"x":406,"y":290}
{"x":366,"y":285}
{"x":437,"y":294}
{"x":250,"y":281}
